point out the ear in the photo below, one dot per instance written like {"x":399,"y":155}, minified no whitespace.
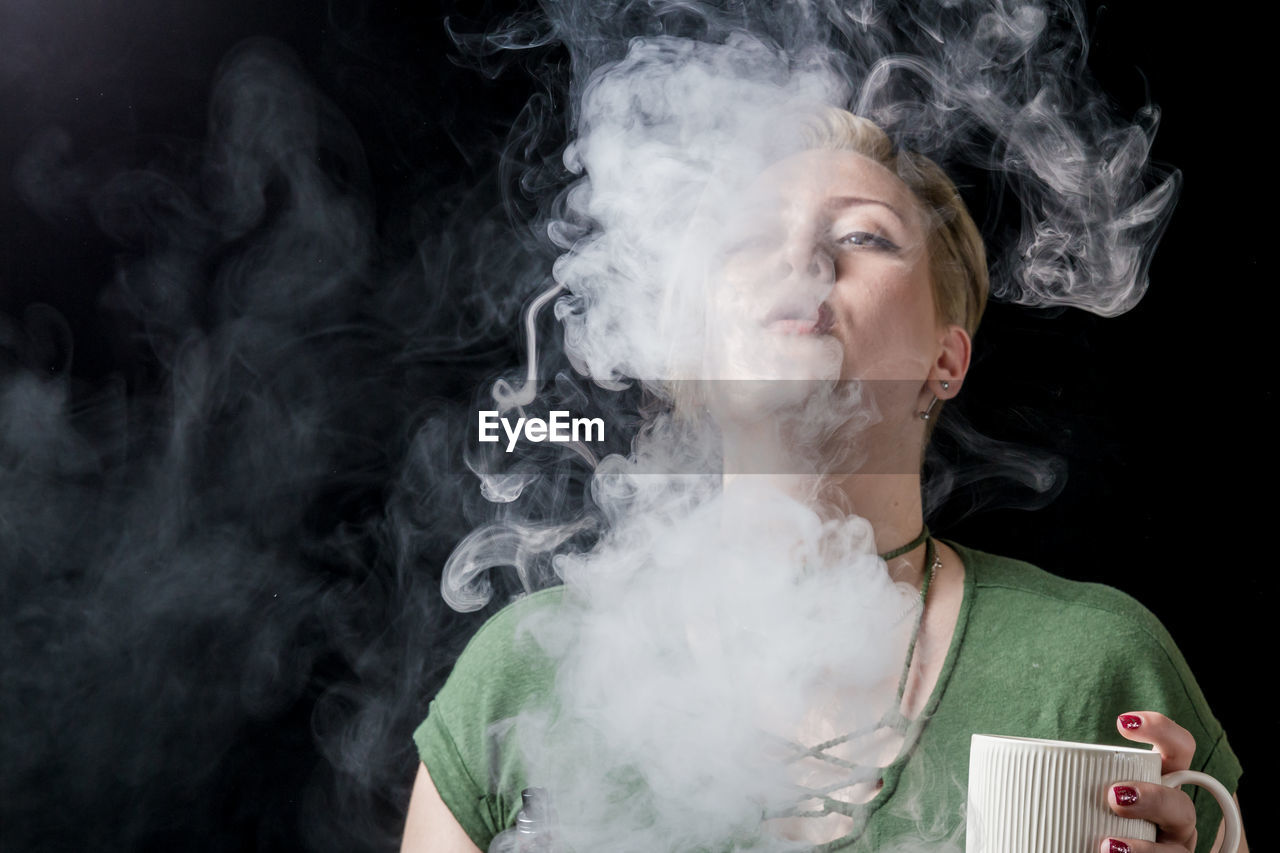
{"x":955,"y":347}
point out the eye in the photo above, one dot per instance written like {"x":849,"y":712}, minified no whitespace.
{"x":868,"y":239}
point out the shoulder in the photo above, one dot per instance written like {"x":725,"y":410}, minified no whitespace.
{"x":1091,"y":635}
{"x":1006,"y":582}
{"x":515,"y":622}
{"x":505,"y":665}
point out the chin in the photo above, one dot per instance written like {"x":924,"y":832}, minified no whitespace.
{"x":809,"y":357}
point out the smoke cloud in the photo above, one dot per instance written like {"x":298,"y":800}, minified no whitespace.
{"x":221,"y":615}
{"x":703,"y":591}
{"x":253,"y":538}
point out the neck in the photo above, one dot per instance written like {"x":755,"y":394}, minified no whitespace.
{"x":890,"y":501}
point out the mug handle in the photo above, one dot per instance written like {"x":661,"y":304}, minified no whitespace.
{"x":1230,"y":814}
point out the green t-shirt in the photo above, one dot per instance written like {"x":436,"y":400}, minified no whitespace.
{"x":1033,"y":655}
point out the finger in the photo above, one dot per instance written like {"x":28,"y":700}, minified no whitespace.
{"x":1132,"y":845}
{"x":1175,"y":744}
{"x":1168,"y":808}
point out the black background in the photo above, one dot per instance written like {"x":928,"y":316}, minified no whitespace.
{"x":1164,"y":416}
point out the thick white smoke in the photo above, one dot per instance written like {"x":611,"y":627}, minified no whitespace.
{"x":668,"y":138}
{"x":697,"y":654}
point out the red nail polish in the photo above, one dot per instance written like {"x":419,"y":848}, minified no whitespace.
{"x":1118,"y":846}
{"x":1130,"y":721}
{"x":1125,"y":795}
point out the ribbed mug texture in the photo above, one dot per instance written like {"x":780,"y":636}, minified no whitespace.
{"x":1039,"y":796}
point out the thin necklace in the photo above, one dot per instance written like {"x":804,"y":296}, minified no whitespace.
{"x":933,"y":562}
{"x":910,"y":546}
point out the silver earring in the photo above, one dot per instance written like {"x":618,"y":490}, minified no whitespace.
{"x":924,"y":416}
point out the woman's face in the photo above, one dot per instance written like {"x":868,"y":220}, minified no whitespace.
{"x":826,"y":275}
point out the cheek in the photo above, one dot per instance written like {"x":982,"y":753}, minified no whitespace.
{"x":890,"y":325}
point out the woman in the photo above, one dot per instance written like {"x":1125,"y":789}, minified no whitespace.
{"x":885,"y":269}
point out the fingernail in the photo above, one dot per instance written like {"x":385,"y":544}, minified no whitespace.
{"x":1118,"y":846}
{"x":1130,"y":722}
{"x":1125,"y":795}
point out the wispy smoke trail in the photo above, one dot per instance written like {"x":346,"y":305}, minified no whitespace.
{"x":220,"y":614}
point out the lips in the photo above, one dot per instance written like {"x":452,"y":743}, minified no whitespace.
{"x":796,"y":320}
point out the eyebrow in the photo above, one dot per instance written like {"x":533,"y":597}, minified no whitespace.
{"x":838,"y":202}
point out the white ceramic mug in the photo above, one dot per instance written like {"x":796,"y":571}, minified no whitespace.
{"x":1051,"y":796}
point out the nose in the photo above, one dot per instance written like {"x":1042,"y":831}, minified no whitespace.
{"x":812,"y":263}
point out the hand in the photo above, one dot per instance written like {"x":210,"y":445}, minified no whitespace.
{"x":1168,"y":808}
